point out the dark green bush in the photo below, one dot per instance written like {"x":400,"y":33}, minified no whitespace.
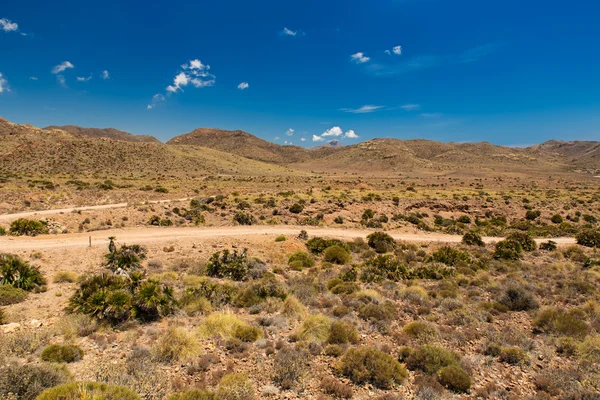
{"x":383,"y":267}
{"x":518,"y":298}
{"x":557,"y":219}
{"x":548,"y":246}
{"x":450,"y":256}
{"x":296,"y":208}
{"x":337,"y":255}
{"x":377,"y":312}
{"x":244,"y":219}
{"x":513,"y":355}
{"x":27,"y":381}
{"x":88,"y":391}
{"x":455,"y":378}
{"x":508,"y":250}
{"x":369,"y":365}
{"x":430,"y":359}
{"x":342,"y":332}
{"x":28,"y":227}
{"x":473,"y":239}
{"x":117,"y":299}
{"x":317,"y":245}
{"x":381,"y":242}
{"x":524,"y":239}
{"x":126,"y":259}
{"x":532,"y":215}
{"x":420,"y":330}
{"x":225,"y":264}
{"x":300,"y":260}
{"x":589,"y":238}
{"x":556,"y":320}
{"x":432,"y":270}
{"x":2,"y":231}
{"x":248,"y":333}
{"x":11,"y":295}
{"x":19,"y":274}
{"x":62,"y":353}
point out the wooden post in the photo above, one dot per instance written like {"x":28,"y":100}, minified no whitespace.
{"x":90,"y":241}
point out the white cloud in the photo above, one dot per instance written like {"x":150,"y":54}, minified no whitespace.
{"x":430,"y":115}
{"x":397,"y":50}
{"x":157,"y":98}
{"x":303,"y":139}
{"x":317,"y":138}
{"x":8,"y":26}
{"x":193,"y":72}
{"x":335,"y":131}
{"x":289,"y":132}
{"x":350,"y":135}
{"x":359,"y":58}
{"x":388,"y":52}
{"x":410,"y":107}
{"x":276,"y":138}
{"x":288,"y":143}
{"x":289,"y":32}
{"x":83,"y":79}
{"x":33,"y":78}
{"x":62,"y":67}
{"x":362,"y":110}
{"x":243,"y":85}
{"x":196,"y":65}
{"x":199,"y":83}
{"x":3,"y":84}
{"x":105,"y":75}
{"x":61,"y":80}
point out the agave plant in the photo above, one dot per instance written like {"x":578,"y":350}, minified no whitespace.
{"x":18,"y":273}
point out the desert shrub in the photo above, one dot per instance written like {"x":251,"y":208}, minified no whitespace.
{"x":589,"y":350}
{"x":296,"y":208}
{"x":381,"y":242}
{"x":383,"y":267}
{"x":369,"y":365}
{"x":318,"y":245}
{"x":88,"y":391}
{"x":450,"y":256}
{"x":431,"y":270}
{"x":293,"y":308}
{"x":175,"y":344}
{"x":290,"y":366}
{"x":228,"y":326}
{"x":18,"y":273}
{"x":247,"y":333}
{"x":116,"y":299}
{"x":315,"y":328}
{"x":340,"y":311}
{"x":508,"y":250}
{"x":11,"y":295}
{"x":344,"y":288}
{"x":2,"y":231}
{"x":62,"y":353}
{"x":28,"y":227}
{"x":336,"y":254}
{"x":420,"y":330}
{"x":430,"y":359}
{"x":194,"y":395}
{"x":27,"y":381}
{"x":235,"y":387}
{"x":555,"y":320}
{"x":65,"y":277}
{"x":513,"y":355}
{"x":532,"y":215}
{"x":126,"y":258}
{"x":218,"y":294}
{"x":518,"y":298}
{"x":589,"y":238}
{"x":455,"y":378}
{"x":472,"y":239}
{"x":280,"y":238}
{"x":300,"y":260}
{"x":548,"y":246}
{"x":224,"y":264}
{"x":243,"y":218}
{"x":3,"y":319}
{"x":377,"y":312}
{"x":336,"y":388}
{"x":342,"y":332}
{"x":524,"y":239}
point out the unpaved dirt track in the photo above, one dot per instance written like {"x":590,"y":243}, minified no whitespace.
{"x":157,"y":235}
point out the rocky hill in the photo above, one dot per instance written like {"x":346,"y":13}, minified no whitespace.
{"x":108,"y":133}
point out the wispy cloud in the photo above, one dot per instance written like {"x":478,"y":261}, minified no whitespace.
{"x":303,"y":139}
{"x":105,"y":75}
{"x":410,"y":107}
{"x":359,"y":58}
{"x":8,"y":26}
{"x":288,"y":32}
{"x":397,"y":50}
{"x":33,"y":78}
{"x":290,"y":132}
{"x":428,"y":61}
{"x":430,"y":115}
{"x":157,"y":98}
{"x":84,"y":79}
{"x":61,"y":80}
{"x":243,"y":85}
{"x":194,"y":73}
{"x":362,"y":110}
{"x":3,"y":84}
{"x":62,"y":67}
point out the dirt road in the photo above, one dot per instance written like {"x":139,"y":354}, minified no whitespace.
{"x":157,"y":235}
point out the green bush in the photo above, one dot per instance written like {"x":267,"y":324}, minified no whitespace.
{"x":315,"y":328}
{"x":377,"y":312}
{"x":589,"y":350}
{"x":556,"y":320}
{"x":19,"y":274}
{"x":126,"y":259}
{"x":27,"y":381}
{"x":244,"y":219}
{"x":117,"y":299}
{"x":337,"y":255}
{"x":369,"y":365}
{"x":548,"y":246}
{"x":194,"y":395}
{"x":518,"y":298}
{"x":88,"y":391}
{"x":524,"y":239}
{"x":473,"y":239}
{"x":296,"y":208}
{"x":318,"y":245}
{"x":248,"y":333}
{"x":300,"y":260}
{"x":280,"y":238}
{"x":175,"y":344}
{"x":28,"y":227}
{"x":383,"y":267}
{"x":2,"y":317}
{"x":62,"y":353}
{"x":532,"y":215}
{"x":234,"y":266}
{"x":450,"y":256}
{"x":508,"y":250}
{"x":420,"y":330}
{"x":342,"y":332}
{"x":513,"y":355}
{"x":589,"y":238}
{"x":235,"y":387}
{"x":557,"y":219}
{"x":455,"y":378}
{"x":381,"y":242}
{"x":2,"y":231}
{"x":430,"y":359}
{"x":11,"y":295}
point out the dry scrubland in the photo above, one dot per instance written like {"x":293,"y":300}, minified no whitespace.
{"x":297,"y":316}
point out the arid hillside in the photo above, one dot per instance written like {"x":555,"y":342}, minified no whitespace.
{"x":108,"y":133}
{"x":583,"y":154}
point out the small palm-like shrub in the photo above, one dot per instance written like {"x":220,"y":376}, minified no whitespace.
{"x":18,"y":273}
{"x":315,"y":328}
{"x":62,"y":353}
{"x":300,"y":260}
{"x":88,"y":391}
{"x":28,"y":227}
{"x":381,"y":242}
{"x":336,"y":254}
{"x":125,"y":259}
{"x":472,"y":239}
{"x":369,"y":365}
{"x":235,"y":387}
{"x":225,"y":264}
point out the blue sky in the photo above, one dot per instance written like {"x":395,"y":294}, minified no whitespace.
{"x":509,"y":72}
